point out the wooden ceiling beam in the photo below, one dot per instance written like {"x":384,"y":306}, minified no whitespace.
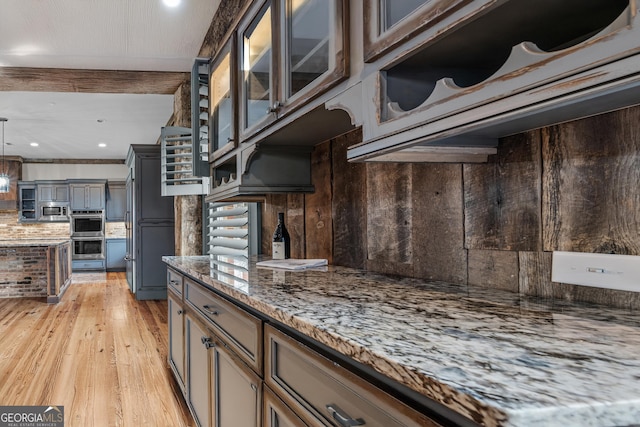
{"x":90,"y":81}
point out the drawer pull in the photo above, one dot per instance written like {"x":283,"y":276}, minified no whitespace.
{"x":211,"y":310}
{"x":207,"y":342}
{"x":342,"y":418}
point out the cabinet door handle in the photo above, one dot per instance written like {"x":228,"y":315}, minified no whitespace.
{"x":179,"y":312}
{"x":211,"y":310}
{"x":207,"y":342}
{"x":344,"y":419}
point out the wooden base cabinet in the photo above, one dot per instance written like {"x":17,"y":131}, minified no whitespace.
{"x":198,"y":374}
{"x":221,"y":386}
{"x":236,"y":390}
{"x":227,"y":349}
{"x":176,"y":337}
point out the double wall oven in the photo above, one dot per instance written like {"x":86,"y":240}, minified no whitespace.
{"x":87,"y":235}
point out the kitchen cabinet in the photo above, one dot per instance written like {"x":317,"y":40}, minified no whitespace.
{"x":198,"y":373}
{"x":27,"y":201}
{"x":291,"y":52}
{"x":276,"y":413}
{"x":222,"y":354}
{"x":281,"y":58}
{"x":149,"y":223}
{"x":176,"y":354}
{"x":115,"y":201}
{"x":228,"y":349}
{"x":116,"y":250}
{"x":49,"y":191}
{"x":87,"y":195}
{"x":223,"y":112}
{"x":445,"y":88}
{"x":221,"y":389}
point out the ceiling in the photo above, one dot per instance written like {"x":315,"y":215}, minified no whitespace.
{"x":113,"y":35}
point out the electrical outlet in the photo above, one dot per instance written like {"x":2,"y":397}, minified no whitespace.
{"x":620,"y":272}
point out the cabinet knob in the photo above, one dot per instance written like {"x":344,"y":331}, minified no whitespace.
{"x":179,"y":312}
{"x":342,"y":418}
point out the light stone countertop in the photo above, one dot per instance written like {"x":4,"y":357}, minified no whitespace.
{"x":493,"y":356}
{"x":16,"y":243}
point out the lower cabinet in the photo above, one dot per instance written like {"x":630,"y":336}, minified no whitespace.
{"x":198,"y":374}
{"x":224,"y":387}
{"x":277,"y":414}
{"x":116,"y":249}
{"x":221,"y":387}
{"x":176,"y":336}
{"x":235,"y":389}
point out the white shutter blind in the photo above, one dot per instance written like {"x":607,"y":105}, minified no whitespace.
{"x":229,"y":229}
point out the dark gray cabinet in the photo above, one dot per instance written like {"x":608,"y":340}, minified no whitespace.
{"x":27,"y":201}
{"x":149,"y":222}
{"x":115,"y":201}
{"x":116,"y":251}
{"x":87,"y":195}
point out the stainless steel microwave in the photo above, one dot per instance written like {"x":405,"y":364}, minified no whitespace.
{"x":52,"y":211}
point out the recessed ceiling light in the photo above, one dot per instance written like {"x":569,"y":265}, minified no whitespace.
{"x":34,"y":144}
{"x":102,"y":145}
{"x":171,"y":3}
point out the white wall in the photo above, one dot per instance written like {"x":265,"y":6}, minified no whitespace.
{"x":60,"y":171}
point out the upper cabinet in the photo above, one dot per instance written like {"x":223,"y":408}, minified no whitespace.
{"x":446,"y":79}
{"x":223,"y":112}
{"x":277,"y":62}
{"x":87,"y":195}
{"x":52,"y":192}
{"x":388,"y":23}
{"x":289,"y":52}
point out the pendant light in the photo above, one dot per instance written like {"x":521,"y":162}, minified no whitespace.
{"x":4,"y":177}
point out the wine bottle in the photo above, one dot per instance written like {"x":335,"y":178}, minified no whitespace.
{"x":281,"y":246}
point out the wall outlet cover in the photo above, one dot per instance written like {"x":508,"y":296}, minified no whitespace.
{"x":621,"y":272}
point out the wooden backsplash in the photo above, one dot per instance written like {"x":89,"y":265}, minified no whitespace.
{"x":570,"y":187}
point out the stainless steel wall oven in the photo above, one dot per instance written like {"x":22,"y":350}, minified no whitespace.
{"x":88,"y":248}
{"x":87,"y":235}
{"x":87,"y":223}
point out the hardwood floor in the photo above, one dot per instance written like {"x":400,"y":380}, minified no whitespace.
{"x":98,"y":352}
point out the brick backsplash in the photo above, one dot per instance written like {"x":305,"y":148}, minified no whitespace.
{"x":11,"y":228}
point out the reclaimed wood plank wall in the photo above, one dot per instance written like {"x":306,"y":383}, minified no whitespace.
{"x":570,"y":187}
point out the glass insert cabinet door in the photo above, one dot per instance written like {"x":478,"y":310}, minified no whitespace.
{"x":256,"y":68}
{"x":222,"y":103}
{"x":309,"y":25}
{"x":393,"y":11}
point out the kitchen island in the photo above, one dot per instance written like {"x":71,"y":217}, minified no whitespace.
{"x":35,"y":268}
{"x":496,"y":358}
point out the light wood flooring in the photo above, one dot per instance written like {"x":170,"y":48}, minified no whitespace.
{"x":98,"y":352}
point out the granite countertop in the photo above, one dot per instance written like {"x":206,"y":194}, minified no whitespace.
{"x":15,"y":243}
{"x":495,"y":357}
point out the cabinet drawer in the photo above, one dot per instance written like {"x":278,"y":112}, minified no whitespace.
{"x":313,"y":385}
{"x":174,"y":281}
{"x":241,"y":330}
